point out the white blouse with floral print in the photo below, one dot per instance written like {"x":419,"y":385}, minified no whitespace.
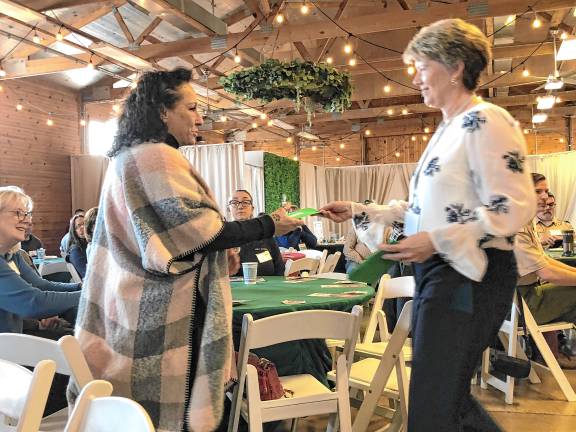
{"x":470,"y":191}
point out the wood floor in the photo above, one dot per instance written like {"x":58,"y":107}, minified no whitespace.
{"x":536,"y":408}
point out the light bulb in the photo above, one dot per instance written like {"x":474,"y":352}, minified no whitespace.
{"x":304,"y":9}
{"x":289,"y":140}
{"x":561,"y":140}
{"x":133,"y":85}
{"x":426,"y":129}
{"x":254,"y":125}
{"x":49,"y":122}
{"x":279,"y":18}
{"x":413,"y":138}
{"x":263,"y":116}
{"x":397,"y":154}
{"x":329,"y":60}
{"x":223,"y":118}
{"x":237,"y":58}
{"x":352,"y":62}
{"x":1,"y":88}
{"x":390,"y":111}
{"x":295,"y":158}
{"x":404,"y":111}
{"x":386,"y":88}
{"x":59,"y":36}
{"x":342,"y":146}
{"x":564,"y":35}
{"x":36,"y":38}
{"x":90,"y":65}
{"x":367,"y":132}
{"x":314,"y":148}
{"x":536,"y":23}
{"x":525,"y":72}
{"x":348,"y":48}
{"x":424,"y":138}
{"x":510,"y":19}
{"x":270,"y":123}
{"x":82,"y":122}
{"x":116,"y":108}
{"x":2,"y":72}
{"x":19,"y":107}
{"x":526,"y":131}
{"x":338,"y":159}
{"x":411,"y":70}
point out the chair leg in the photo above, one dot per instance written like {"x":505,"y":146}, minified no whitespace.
{"x":485,"y":368}
{"x":253,"y":394}
{"x":344,"y":418}
{"x":294,"y":426}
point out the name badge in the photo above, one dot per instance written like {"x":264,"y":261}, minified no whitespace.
{"x":555,"y":232}
{"x":302,"y":246}
{"x":263,"y":257}
{"x":411,"y":223}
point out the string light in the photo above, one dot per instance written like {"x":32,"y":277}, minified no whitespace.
{"x":413,"y":138}
{"x":82,"y":122}
{"x":133,"y":85}
{"x":338,"y":159}
{"x":397,"y":154}
{"x":36,"y":38}
{"x":348,"y":46}
{"x":254,"y":125}
{"x":525,"y":72}
{"x":19,"y":106}
{"x":304,"y":9}
{"x":2,"y":71}
{"x":411,"y":70}
{"x":424,"y":138}
{"x":564,"y":35}
{"x":279,"y":18}
{"x":387,"y":88}
{"x":510,"y":20}
{"x":59,"y":35}
{"x":536,"y":23}
{"x":314,"y":148}
{"x":50,"y":122}
{"x":270,"y":123}
{"x":561,"y":140}
{"x":263,"y":116}
{"x":223,"y":118}
{"x":295,"y":158}
{"x":390,"y":111}
{"x":526,"y":131}
{"x":289,"y":140}
{"x":90,"y":65}
{"x":367,"y":132}
{"x":1,"y":88}
{"x":426,"y":129}
{"x":237,"y":58}
{"x":352,"y":62}
{"x":116,"y":108}
{"x":404,"y":111}
{"x":329,"y":59}
{"x":342,"y":145}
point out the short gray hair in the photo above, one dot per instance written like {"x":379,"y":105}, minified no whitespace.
{"x":9,"y":194}
{"x":451,"y":41}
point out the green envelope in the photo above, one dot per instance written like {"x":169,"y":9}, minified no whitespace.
{"x":302,"y":213}
{"x":371,"y":269}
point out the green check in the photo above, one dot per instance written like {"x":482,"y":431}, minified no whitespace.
{"x":302,"y":213}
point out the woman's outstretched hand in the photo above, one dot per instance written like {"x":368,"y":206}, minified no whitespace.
{"x":415,"y":248}
{"x":337,"y":211}
{"x":283,"y":223}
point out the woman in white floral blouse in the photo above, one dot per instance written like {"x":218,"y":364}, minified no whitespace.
{"x":469,"y":196}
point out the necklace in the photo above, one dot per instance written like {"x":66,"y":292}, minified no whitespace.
{"x":468,"y":103}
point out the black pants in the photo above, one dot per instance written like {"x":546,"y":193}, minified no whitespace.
{"x":454,"y":320}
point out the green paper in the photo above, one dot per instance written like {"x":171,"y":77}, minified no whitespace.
{"x":302,"y":213}
{"x":371,"y":269}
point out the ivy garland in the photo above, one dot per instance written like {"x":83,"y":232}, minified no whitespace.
{"x":303,"y":82}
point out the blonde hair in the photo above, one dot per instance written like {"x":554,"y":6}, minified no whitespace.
{"x":449,"y":42}
{"x":9,"y":194}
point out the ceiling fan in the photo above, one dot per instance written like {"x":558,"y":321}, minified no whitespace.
{"x":555,"y":81}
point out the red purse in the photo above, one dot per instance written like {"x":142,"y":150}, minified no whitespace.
{"x":268,"y":380}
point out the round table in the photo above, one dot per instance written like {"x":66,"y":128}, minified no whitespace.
{"x":265,"y":299}
{"x":557,"y":255}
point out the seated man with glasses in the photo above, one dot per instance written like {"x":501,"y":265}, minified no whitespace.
{"x":265,"y":252}
{"x":548,"y":227}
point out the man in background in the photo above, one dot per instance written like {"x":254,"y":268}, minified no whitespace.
{"x":300,"y":238}
{"x":548,"y":227}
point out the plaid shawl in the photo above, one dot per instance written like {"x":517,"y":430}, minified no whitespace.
{"x":137,"y":306}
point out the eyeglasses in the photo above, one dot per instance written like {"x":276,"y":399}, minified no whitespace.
{"x":237,"y":204}
{"x":21,"y":215}
{"x":550,"y":206}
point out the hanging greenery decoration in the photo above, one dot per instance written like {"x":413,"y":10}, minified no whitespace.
{"x":306,"y":83}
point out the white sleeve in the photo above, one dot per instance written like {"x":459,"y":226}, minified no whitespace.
{"x":496,"y":150}
{"x":370,"y":220}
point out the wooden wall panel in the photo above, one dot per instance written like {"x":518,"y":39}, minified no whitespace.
{"x":35,"y":156}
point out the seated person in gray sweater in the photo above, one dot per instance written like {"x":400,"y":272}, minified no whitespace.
{"x":265,"y":252}
{"x":24,"y":294}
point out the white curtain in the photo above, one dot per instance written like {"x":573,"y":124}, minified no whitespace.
{"x":87,"y":177}
{"x":560,"y":171}
{"x":220,"y":165}
{"x":254,"y":183}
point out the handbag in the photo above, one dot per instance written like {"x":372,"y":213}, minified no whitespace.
{"x":513,"y":366}
{"x":268,"y":380}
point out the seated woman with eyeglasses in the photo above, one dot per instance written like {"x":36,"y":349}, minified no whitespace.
{"x":77,"y":245}
{"x":265,"y":252}
{"x":23,"y":293}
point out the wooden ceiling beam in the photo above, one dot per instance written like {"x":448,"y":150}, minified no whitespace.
{"x":375,"y":23}
{"x":43,"y":5}
{"x":146,"y":32}
{"x":170,"y":8}
{"x":237,"y":15}
{"x":326,"y":45}
{"x":264,"y":6}
{"x":123,"y":26}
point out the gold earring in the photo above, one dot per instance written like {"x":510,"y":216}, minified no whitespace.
{"x":453,"y":81}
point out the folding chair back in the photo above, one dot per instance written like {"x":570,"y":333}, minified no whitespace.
{"x":23,"y":394}
{"x":330,"y":263}
{"x":304,"y":264}
{"x":72,"y":270}
{"x":97,"y":411}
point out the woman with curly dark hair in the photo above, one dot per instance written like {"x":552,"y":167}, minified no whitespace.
{"x":77,"y":244}
{"x":155,"y":315}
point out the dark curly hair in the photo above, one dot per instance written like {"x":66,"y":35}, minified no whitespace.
{"x":141,"y":119}
{"x":73,"y":238}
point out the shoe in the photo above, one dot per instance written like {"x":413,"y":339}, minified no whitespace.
{"x":566,"y":361}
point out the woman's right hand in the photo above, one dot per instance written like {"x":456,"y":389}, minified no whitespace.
{"x":283,"y":223}
{"x":337,"y":211}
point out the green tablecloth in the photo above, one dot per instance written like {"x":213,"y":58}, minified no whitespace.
{"x":265,"y":299}
{"x":557,"y":255}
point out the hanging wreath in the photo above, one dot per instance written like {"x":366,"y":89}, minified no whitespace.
{"x":305,"y":83}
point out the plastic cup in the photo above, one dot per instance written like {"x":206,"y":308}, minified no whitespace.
{"x":41,"y":253}
{"x":250,"y":272}
{"x":568,"y":243}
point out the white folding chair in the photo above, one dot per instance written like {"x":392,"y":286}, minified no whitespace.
{"x":97,"y":411}
{"x":323,"y":258}
{"x":304,"y":264}
{"x":310,"y":397}
{"x":51,"y":267}
{"x":23,"y":395}
{"x":330,"y":263}
{"x":510,"y":334}
{"x":29,"y":350}
{"x":72,"y":270}
{"x":373,"y":377}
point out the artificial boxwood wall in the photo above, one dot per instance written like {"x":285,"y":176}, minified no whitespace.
{"x":281,"y":176}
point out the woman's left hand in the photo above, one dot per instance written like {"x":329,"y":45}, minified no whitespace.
{"x":233,"y":261}
{"x":416,"y":248}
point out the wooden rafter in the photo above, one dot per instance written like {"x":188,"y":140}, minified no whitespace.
{"x":376,"y":23}
{"x":123,"y":26}
{"x":146,"y":32}
{"x":237,"y":15}
{"x":44,"y":5}
{"x":170,"y":8}
{"x":264,"y":7}
{"x":326,"y":45}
